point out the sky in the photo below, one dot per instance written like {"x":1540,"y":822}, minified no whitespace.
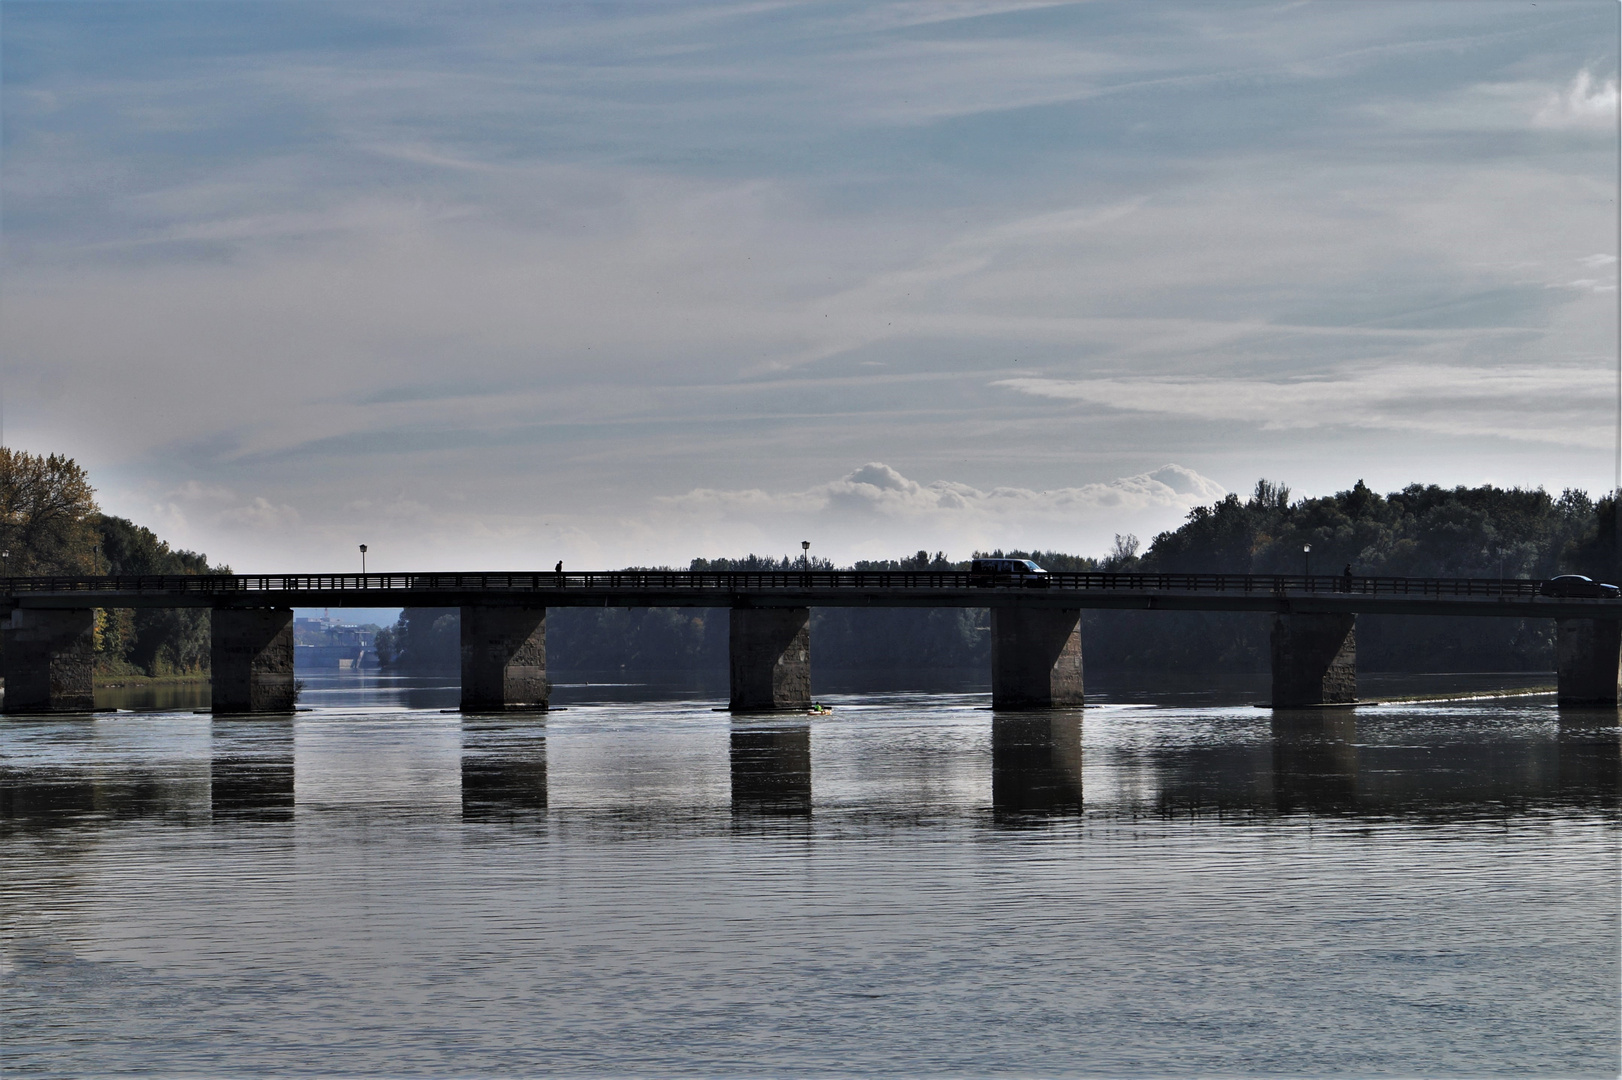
{"x":487,"y":286}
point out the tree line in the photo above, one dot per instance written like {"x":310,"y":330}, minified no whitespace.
{"x":1419,"y":531}
{"x":50,"y":525}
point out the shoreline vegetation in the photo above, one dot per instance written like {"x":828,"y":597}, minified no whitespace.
{"x":50,"y":525}
{"x":124,"y":682}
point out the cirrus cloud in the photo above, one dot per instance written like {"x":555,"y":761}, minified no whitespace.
{"x":1564,"y":405}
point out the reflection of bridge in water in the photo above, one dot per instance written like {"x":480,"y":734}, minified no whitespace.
{"x":1317,"y":761}
{"x":1311,"y":762}
{"x":1036,"y":648}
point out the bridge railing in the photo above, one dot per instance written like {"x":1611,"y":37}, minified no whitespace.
{"x":726,"y":582}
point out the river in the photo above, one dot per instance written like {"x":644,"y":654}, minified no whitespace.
{"x":1159,"y":884}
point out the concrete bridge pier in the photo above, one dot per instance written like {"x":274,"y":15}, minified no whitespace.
{"x":1589,"y":658}
{"x":770,"y":659}
{"x":504,"y":659}
{"x":1035,"y":658}
{"x":251,"y":660}
{"x":49,"y":660}
{"x":1314,"y":660}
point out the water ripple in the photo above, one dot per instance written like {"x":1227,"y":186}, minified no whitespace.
{"x":908,"y":886}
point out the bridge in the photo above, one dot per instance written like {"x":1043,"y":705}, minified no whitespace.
{"x":1036,"y":654}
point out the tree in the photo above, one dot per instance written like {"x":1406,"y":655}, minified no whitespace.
{"x":154,"y":641}
{"x":47,"y":516}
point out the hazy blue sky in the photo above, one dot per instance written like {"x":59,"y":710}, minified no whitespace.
{"x":490,"y":285}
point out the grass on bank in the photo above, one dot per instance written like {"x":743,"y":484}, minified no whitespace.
{"x":115,"y":680}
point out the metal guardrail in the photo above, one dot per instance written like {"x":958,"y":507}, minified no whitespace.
{"x":727,"y":582}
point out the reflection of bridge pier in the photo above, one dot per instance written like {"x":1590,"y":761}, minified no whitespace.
{"x":1325,"y":761}
{"x":771,"y":770}
{"x":105,"y":786}
{"x":1591,"y":755}
{"x":252,"y":770}
{"x":1315,"y":760}
{"x":503,"y":772}
{"x":1036,"y":763}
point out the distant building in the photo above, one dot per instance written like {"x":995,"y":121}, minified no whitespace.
{"x":326,"y":644}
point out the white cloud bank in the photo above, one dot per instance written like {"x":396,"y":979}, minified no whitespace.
{"x":875,"y":511}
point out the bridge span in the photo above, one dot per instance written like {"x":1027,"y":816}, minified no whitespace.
{"x":1036,"y":654}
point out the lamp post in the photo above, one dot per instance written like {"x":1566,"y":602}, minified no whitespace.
{"x":1306,"y":559}
{"x":363,"y":560}
{"x":805,"y":554}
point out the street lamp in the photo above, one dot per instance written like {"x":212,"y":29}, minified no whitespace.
{"x":805,"y":554}
{"x":1306,"y":558}
{"x":363,"y":560}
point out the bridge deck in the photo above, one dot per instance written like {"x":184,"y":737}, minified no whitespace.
{"x":816,"y":588}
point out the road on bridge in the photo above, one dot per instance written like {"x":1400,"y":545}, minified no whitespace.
{"x":1275,"y":593}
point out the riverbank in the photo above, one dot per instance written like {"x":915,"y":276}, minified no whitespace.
{"x":129,"y":682}
{"x":1530,"y":691}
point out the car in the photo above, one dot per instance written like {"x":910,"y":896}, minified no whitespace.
{"x":1578,"y":585}
{"x":1020,"y":573}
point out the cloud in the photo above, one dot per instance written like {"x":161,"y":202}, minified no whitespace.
{"x":876,"y":509}
{"x":397,"y":507}
{"x":260,"y":514}
{"x":1566,"y":405}
{"x":916,"y":13}
{"x":193,"y":491}
{"x":1599,"y":285}
{"x":1586,"y":103}
{"x":534,"y":269}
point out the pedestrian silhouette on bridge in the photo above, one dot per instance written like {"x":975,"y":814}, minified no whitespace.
{"x":1346,"y":579}
{"x":558,"y":569}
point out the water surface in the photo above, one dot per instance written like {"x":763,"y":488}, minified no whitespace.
{"x":910,"y":885}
